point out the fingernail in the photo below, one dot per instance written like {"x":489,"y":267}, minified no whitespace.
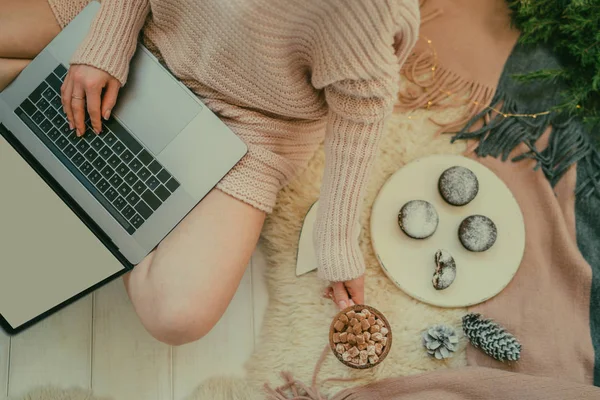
{"x":70,"y":126}
{"x":107,"y":115}
{"x":79,"y":133}
{"x":343,"y":304}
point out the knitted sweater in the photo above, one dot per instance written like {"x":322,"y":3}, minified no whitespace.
{"x":297,"y":61}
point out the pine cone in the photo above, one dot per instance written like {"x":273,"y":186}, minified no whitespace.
{"x":491,"y":338}
{"x":440,"y":341}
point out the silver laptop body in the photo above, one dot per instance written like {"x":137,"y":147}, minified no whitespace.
{"x":171,"y":151}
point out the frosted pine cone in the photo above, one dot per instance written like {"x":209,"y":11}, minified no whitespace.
{"x":440,"y":341}
{"x":491,"y":338}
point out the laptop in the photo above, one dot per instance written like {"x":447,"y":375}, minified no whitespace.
{"x":161,"y":152}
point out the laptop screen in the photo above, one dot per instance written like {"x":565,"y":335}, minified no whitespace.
{"x":47,"y":255}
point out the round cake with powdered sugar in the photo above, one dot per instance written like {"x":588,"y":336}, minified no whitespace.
{"x":458,"y":185}
{"x":418,"y":219}
{"x":477,"y":233}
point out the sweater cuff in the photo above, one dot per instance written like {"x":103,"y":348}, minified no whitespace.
{"x":112,"y":39}
{"x":350,"y":148}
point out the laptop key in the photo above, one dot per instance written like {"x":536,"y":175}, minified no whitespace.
{"x":151,"y":199}
{"x":116,"y":181}
{"x":90,"y":154}
{"x":172,"y":185}
{"x":99,"y":163}
{"x":86,"y":168}
{"x":46,"y":126}
{"x":53,"y":134}
{"x":127,"y":156}
{"x":154,"y":167}
{"x":139,"y":187}
{"x":119,"y":203}
{"x":60,"y":71}
{"x":82,"y":146}
{"x":135,"y":165}
{"x":38,"y":117}
{"x":50,"y":113}
{"x":105,"y":152}
{"x":78,"y":160}
{"x":163,"y":176}
{"x":103,"y":185}
{"x":37,"y":93}
{"x":48,"y":94}
{"x":144,"y":174}
{"x":107,"y":172}
{"x":136,"y":221}
{"x":111,"y":194}
{"x":65,"y":130}
{"x":133,"y":198}
{"x":62,"y":142}
{"x":95,"y":177}
{"x":70,"y":151}
{"x":28,"y":107}
{"x":143,"y":209}
{"x":42,"y":104}
{"x":145,"y":157}
{"x":97,"y":143}
{"x":131,"y":178}
{"x":128,"y":212}
{"x":59,"y":121}
{"x":162,"y":193}
{"x":56,"y":102}
{"x":124,"y":136}
{"x":109,"y":139}
{"x":54,"y":82}
{"x":118,"y":148}
{"x":122,"y":170}
{"x":114,"y":161}
{"x":124,"y":190}
{"x":153,"y":183}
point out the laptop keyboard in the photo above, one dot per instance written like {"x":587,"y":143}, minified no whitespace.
{"x":115,"y":168}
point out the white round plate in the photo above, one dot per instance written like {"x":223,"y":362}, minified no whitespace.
{"x":409,"y":263}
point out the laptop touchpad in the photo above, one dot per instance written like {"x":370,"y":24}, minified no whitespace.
{"x":152,"y":105}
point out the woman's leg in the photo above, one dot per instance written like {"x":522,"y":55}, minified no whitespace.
{"x":183,"y":288}
{"x":26,"y":27}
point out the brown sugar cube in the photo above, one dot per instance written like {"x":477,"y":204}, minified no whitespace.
{"x":373,"y":359}
{"x":364,"y":324}
{"x":367,"y":336}
{"x":343,"y":337}
{"x":336,"y":337}
{"x":371,"y":320}
{"x":371,"y":342}
{"x":346,"y":356}
{"x":362,"y":346}
{"x":363,"y":362}
{"x":370,"y":350}
{"x":363,"y":355}
{"x":360,"y":316}
{"x":339,"y":325}
{"x":353,"y":322}
{"x":384,"y":341}
{"x":366,"y":312}
{"x":353,"y":352}
{"x":384,"y":331}
{"x":377,"y":337}
{"x":344,"y":319}
{"x":380,"y":322}
{"x":378,"y":349}
{"x":375,"y":328}
{"x":355,"y":360}
{"x":340,"y":348}
{"x":347,"y":346}
{"x":360,"y":339}
{"x":357,"y":329}
{"x":350,"y":314}
{"x":351,"y":338}
{"x":349,"y":329}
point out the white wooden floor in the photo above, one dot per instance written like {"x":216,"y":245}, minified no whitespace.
{"x":98,"y":343}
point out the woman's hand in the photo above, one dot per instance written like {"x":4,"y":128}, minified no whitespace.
{"x":347,"y":293}
{"x":83,"y":89}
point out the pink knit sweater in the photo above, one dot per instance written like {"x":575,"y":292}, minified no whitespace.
{"x":276,"y":69}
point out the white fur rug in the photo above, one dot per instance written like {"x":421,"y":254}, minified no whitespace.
{"x":297,"y":320}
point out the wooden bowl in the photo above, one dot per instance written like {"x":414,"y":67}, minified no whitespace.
{"x":378,"y":314}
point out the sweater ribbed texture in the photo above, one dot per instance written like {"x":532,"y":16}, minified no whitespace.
{"x":283,"y":75}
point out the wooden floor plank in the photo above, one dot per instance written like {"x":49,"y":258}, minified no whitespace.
{"x":223,"y":351}
{"x":127,"y":363}
{"x":55,"y":351}
{"x":260,"y":294}
{"x":4,"y":362}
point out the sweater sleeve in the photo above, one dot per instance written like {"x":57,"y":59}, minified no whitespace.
{"x":112,"y":39}
{"x":361,"y":87}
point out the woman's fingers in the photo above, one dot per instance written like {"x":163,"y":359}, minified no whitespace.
{"x":78,"y":100}
{"x":110,"y":97}
{"x":340,"y":295}
{"x":93,"y":98}
{"x":356,"y":289}
{"x":66,"y":91}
